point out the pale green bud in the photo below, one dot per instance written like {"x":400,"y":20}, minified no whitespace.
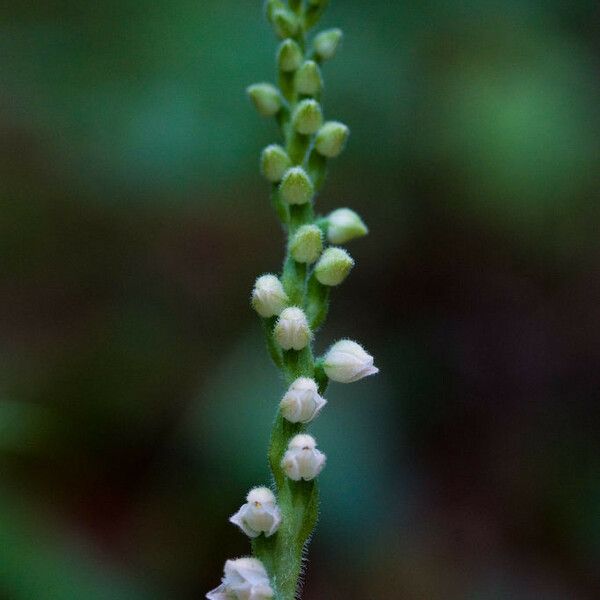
{"x":296,"y":186}
{"x":307,"y":118}
{"x":327,"y":42}
{"x":271,"y":6}
{"x":331,"y":139}
{"x":266,"y":98}
{"x":308,"y":79}
{"x":274,"y":162}
{"x":345,"y":225}
{"x":333,"y":266}
{"x":284,"y":22}
{"x":289,"y":56}
{"x":307,"y":244}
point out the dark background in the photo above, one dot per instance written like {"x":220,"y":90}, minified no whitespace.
{"x":135,"y":395}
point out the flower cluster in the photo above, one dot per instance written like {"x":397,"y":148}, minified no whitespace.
{"x":293,"y":305}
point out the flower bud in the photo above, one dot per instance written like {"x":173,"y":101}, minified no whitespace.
{"x":274,"y":162}
{"x":307,"y":244}
{"x":308,"y":79}
{"x":331,"y":139}
{"x":327,"y":42}
{"x":266,"y":98}
{"x":292,"y":330}
{"x":296,"y":186}
{"x":346,"y":362}
{"x":268,"y":297}
{"x":345,"y":225}
{"x":307,"y":118}
{"x":333,"y":266}
{"x":259,"y":515}
{"x":284,"y":22}
{"x":302,"y":403}
{"x":289,"y":56}
{"x":302,"y":460}
{"x":244,"y":579}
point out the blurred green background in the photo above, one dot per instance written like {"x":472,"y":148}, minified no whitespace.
{"x":135,"y":394}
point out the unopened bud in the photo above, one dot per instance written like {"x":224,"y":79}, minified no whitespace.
{"x":244,"y":578}
{"x":296,"y":186}
{"x":346,"y":362}
{"x":308,"y":79}
{"x":345,"y":225}
{"x":302,"y":402}
{"x":259,"y":515}
{"x":292,"y":330}
{"x":302,"y":460}
{"x":266,"y":98}
{"x":333,"y":266}
{"x":331,"y":139}
{"x":268,"y":297}
{"x":289,"y":56}
{"x":307,"y":118}
{"x":327,"y":42}
{"x":284,"y":22}
{"x":274,"y":162}
{"x":307,"y":244}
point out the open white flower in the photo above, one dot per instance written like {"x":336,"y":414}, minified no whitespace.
{"x":259,"y":515}
{"x":302,"y":402}
{"x":268,"y":296}
{"x":346,"y":362}
{"x":244,"y":579}
{"x":292,"y":330}
{"x":302,"y":460}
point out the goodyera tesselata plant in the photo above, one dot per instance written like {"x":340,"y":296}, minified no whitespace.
{"x":293,"y":306}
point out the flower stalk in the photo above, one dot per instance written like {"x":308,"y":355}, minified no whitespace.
{"x":294,"y":305}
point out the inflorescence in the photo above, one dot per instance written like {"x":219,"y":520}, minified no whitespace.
{"x":293,"y":306}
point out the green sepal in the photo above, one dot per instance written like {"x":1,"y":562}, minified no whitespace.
{"x":274,"y":350}
{"x":317,"y":168}
{"x":281,"y":208}
{"x":293,"y":279}
{"x":320,"y":376}
{"x":317,"y":303}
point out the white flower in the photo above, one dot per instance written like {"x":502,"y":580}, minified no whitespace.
{"x":302,"y":460}
{"x":268,"y":297}
{"x":292,"y":330}
{"x":244,"y":579}
{"x":345,"y":225}
{"x":346,"y":361}
{"x":259,"y":515}
{"x":302,"y":403}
